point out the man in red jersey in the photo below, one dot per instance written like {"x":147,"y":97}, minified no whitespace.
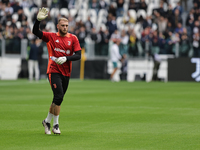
{"x":63,"y":48}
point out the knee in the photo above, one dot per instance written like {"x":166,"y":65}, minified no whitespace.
{"x":58,"y":99}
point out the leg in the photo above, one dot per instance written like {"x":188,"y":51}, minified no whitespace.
{"x":114,"y":71}
{"x":111,"y":76}
{"x":37,"y":71}
{"x":30,"y":69}
{"x":59,"y":85}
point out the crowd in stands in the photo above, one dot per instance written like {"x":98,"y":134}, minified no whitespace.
{"x":143,"y":26}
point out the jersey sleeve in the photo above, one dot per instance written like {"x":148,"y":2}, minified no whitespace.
{"x":76,"y":44}
{"x":46,"y":36}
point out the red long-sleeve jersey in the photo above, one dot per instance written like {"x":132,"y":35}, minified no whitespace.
{"x":59,"y":46}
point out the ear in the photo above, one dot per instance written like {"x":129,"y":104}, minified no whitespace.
{"x":57,"y":26}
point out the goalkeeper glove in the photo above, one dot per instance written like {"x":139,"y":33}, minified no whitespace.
{"x":42,"y":14}
{"x":61,"y":60}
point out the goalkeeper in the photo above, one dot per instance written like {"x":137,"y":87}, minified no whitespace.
{"x":63,"y":48}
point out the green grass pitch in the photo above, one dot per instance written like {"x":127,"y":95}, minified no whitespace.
{"x":102,"y":115}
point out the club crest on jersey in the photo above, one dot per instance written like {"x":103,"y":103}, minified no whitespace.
{"x":57,"y":41}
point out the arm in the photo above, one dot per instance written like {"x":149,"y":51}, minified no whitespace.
{"x":76,"y":56}
{"x":36,"y":30}
{"x":61,"y":60}
{"x":42,"y":14}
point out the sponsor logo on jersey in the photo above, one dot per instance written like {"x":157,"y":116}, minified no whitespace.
{"x":69,"y":42}
{"x":57,"y":41}
{"x":62,"y":51}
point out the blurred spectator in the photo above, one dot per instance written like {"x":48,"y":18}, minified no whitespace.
{"x":71,"y":24}
{"x":184,"y":46}
{"x":190,"y":19}
{"x":103,"y":4}
{"x":120,"y":8}
{"x":64,"y":3}
{"x":145,"y":39}
{"x":71,"y":4}
{"x":143,"y":5}
{"x":124,"y":43}
{"x":147,"y":22}
{"x":40,"y":53}
{"x":25,"y":3}
{"x":5,"y":1}
{"x":81,"y":36}
{"x":179,"y":7}
{"x":115,"y":35}
{"x":179,"y":29}
{"x":185,"y":4}
{"x":111,"y":24}
{"x":196,"y":13}
{"x":169,"y":13}
{"x":162,"y":24}
{"x":88,"y":25}
{"x":196,"y":43}
{"x":155,"y":43}
{"x":156,"y":66}
{"x":16,"y":6}
{"x":128,"y":19}
{"x":133,"y":49}
{"x":177,"y":18}
{"x":115,"y":56}
{"x":112,"y":10}
{"x":33,"y":64}
{"x":175,"y":39}
{"x":196,"y":25}
{"x":9,"y":9}
{"x":159,"y":10}
{"x":161,"y":43}
{"x":33,"y":5}
{"x":94,"y":4}
{"x":133,"y":5}
{"x":54,"y":4}
{"x":93,"y":35}
{"x":21,"y":15}
{"x":44,"y":3}
{"x":102,"y":46}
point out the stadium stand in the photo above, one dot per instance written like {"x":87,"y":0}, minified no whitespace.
{"x":17,"y":26}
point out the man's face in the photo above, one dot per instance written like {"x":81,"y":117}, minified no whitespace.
{"x":63,"y":27}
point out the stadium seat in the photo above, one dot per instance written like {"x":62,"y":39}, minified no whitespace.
{"x":18,"y":24}
{"x":141,"y":12}
{"x":84,"y":5}
{"x":133,"y":13}
{"x":102,"y":13}
{"x":15,"y":16}
{"x":120,"y":24}
{"x":150,"y":8}
{"x":27,"y":11}
{"x":73,"y":12}
{"x":82,"y":13}
{"x":93,"y":15}
{"x":125,"y":6}
{"x":64,"y":12}
{"x":33,"y":11}
{"x":138,"y":30}
{"x":54,"y":12}
{"x":147,"y":2}
{"x":50,"y":26}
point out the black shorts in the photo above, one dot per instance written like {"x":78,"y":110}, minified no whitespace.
{"x":59,"y":85}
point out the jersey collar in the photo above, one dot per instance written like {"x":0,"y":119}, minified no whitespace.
{"x":65,"y":35}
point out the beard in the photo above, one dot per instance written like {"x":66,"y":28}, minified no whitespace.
{"x":63,"y":32}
